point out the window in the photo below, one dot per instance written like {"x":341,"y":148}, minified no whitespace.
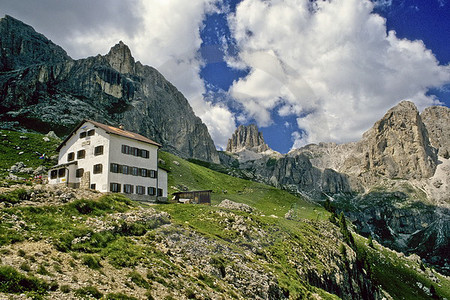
{"x":134,"y":171}
{"x":128,"y":189}
{"x":98,"y":168}
{"x":115,"y":168}
{"x":79,"y":173}
{"x":135,"y":151}
{"x":151,"y":191}
{"x":70,"y":156}
{"x":160,"y":192}
{"x":91,"y":132}
{"x":153,"y":174}
{"x":114,"y":187}
{"x":126,"y":149}
{"x":53,"y":174}
{"x":140,"y":190}
{"x":98,"y":150}
{"x":145,"y":154}
{"x":82,"y":134}
{"x":93,"y":186}
{"x":125,"y":169}
{"x":81,"y":154}
{"x":61,"y":172}
{"x":143,"y":172}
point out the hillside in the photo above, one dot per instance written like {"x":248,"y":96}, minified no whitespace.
{"x":263,"y":244}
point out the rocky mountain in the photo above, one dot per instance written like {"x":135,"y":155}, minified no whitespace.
{"x":247,"y":138}
{"x":391,"y":183}
{"x":437,"y":122}
{"x":43,"y":89}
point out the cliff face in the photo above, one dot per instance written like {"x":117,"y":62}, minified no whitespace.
{"x":397,"y":146}
{"x":248,"y":138}
{"x":46,"y":90}
{"x":437,"y":122}
{"x":21,"y":46}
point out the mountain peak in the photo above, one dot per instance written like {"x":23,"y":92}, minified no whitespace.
{"x":247,"y":137}
{"x":120,"y":58}
{"x":398,"y":145}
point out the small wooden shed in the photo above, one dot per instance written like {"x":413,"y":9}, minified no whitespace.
{"x":194,"y":197}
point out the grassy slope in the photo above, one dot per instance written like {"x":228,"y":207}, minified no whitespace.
{"x":11,"y":145}
{"x":396,"y":274}
{"x":268,"y":200}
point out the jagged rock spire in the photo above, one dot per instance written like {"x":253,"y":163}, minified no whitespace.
{"x":120,"y":58}
{"x":247,"y":138}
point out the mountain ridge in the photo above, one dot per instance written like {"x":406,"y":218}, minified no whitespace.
{"x":55,"y":94}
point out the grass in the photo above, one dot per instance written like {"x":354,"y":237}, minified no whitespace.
{"x":265,"y":240}
{"x":32,"y":147}
{"x":12,"y":281}
{"x":266,"y":199}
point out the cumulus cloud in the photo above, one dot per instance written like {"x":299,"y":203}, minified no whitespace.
{"x":329,"y":63}
{"x":163,"y":34}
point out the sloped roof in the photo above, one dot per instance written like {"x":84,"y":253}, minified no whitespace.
{"x":111,"y":130}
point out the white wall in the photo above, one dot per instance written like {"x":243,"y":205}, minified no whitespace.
{"x":162,"y":181}
{"x":116,"y":156}
{"x":112,"y":153}
{"x":88,"y":143}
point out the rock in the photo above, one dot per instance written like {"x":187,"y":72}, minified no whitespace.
{"x":437,"y":122}
{"x":23,"y":137}
{"x":46,"y":139}
{"x":237,"y":206}
{"x":247,"y":137}
{"x":52,"y":134}
{"x":112,"y":89}
{"x":397,"y":146}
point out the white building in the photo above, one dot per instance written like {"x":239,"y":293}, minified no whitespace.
{"x":110,"y":159}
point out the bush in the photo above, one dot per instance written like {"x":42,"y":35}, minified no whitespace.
{"x":92,"y":261}
{"x":139,"y":280}
{"x":11,"y":281}
{"x":105,"y":204}
{"x":65,"y":288}
{"x":88,"y":291}
{"x":25,"y":267}
{"x":119,"y":296}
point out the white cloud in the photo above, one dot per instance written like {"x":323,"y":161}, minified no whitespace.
{"x":331,"y":64}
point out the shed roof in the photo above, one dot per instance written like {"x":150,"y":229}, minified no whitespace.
{"x":111,"y":130}
{"x":191,"y":192}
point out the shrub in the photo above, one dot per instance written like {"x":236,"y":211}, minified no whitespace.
{"x":138,"y":280}
{"x":64,"y":288}
{"x":15,"y":196}
{"x":11,"y":281}
{"x":119,"y":296}
{"x":88,"y":291}
{"x":21,"y":253}
{"x":92,"y":261}
{"x":25,"y":267}
{"x":42,"y":270}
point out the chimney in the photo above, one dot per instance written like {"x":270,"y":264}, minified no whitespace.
{"x":121,"y":127}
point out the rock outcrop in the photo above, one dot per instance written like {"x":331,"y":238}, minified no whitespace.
{"x":43,"y":89}
{"x":397,"y":146}
{"x":247,"y":138}
{"x":21,"y":46}
{"x":437,"y":122}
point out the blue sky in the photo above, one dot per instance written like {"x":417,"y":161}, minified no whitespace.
{"x":303,"y":71}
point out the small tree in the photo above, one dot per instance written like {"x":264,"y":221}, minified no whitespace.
{"x":370,"y":241}
{"x":348,"y":237}
{"x":433,"y":292}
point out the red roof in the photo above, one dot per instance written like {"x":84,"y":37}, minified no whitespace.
{"x":112,"y":130}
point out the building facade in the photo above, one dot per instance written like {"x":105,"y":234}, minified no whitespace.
{"x":110,"y":159}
